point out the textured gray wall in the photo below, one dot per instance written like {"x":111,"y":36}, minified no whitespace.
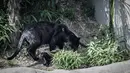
{"x":121,"y":19}
{"x":122,"y":22}
{"x":101,"y":11}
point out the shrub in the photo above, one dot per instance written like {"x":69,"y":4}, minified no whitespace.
{"x":5,"y":30}
{"x":49,"y":15}
{"x":104,"y":49}
{"x":47,"y":10}
{"x":102,"y":52}
{"x":67,"y":60}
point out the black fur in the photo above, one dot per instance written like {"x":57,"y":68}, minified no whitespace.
{"x":35,"y":35}
{"x":46,"y":33}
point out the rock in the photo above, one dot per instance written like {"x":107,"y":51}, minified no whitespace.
{"x":120,"y":67}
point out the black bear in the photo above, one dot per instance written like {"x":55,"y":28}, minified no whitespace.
{"x":46,"y":33}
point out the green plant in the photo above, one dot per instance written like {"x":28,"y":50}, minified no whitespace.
{"x":68,"y":13}
{"x":103,"y":32}
{"x":47,"y":10}
{"x":49,"y":15}
{"x":67,"y":59}
{"x":29,"y":19}
{"x":105,"y":51}
{"x":5,"y":30}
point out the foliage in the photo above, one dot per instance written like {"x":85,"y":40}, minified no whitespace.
{"x":47,"y":10}
{"x":50,"y":15}
{"x":67,"y":59}
{"x":104,"y":50}
{"x":5,"y":30}
{"x":104,"y":32}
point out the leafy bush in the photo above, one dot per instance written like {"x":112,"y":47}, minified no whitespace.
{"x":67,"y":59}
{"x":5,"y":30}
{"x":47,"y":10}
{"x":28,"y":19}
{"x":104,"y":50}
{"x":49,"y":15}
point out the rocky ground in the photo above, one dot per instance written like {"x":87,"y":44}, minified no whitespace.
{"x":24,"y":60}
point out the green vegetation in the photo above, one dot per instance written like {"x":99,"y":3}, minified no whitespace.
{"x":5,"y":31}
{"x":67,"y":60}
{"x":99,"y":52}
{"x":49,"y":15}
{"x":105,"y":51}
{"x":102,"y":51}
{"x":33,"y":11}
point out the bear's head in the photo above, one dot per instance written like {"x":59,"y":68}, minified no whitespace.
{"x":74,"y":41}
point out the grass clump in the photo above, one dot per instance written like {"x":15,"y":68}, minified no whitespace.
{"x":67,"y":60}
{"x":104,"y":51}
